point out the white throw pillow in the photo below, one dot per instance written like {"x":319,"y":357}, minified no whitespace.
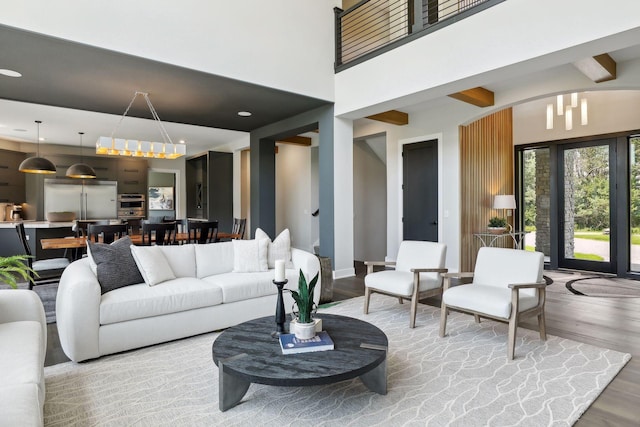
{"x":250,"y":255}
{"x":152,"y":263}
{"x":280,"y":248}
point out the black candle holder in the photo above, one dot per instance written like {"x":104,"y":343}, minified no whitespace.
{"x":280,"y":316}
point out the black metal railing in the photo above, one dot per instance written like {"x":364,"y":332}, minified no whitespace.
{"x":371,"y":27}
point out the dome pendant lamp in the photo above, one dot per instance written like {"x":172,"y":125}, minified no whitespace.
{"x":81,"y":170}
{"x":37,"y":164}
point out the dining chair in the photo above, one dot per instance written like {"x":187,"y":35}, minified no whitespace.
{"x":417,"y":274}
{"x":202,"y":231}
{"x":134,"y":226}
{"x":48,"y":270}
{"x":238,"y":227}
{"x":507,"y":285}
{"x":109,"y":233}
{"x":159,"y":233}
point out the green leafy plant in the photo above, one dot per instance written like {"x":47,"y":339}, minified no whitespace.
{"x":304,"y":298}
{"x":15,"y":266}
{"x":496,"y":221}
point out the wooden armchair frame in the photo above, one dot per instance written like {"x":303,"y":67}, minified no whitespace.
{"x":514,"y":317}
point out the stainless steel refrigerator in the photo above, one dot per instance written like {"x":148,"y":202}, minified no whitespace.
{"x":88,"y":199}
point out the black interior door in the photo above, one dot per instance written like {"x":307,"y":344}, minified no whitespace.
{"x":420,"y":191}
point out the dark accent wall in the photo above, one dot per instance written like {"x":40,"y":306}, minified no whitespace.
{"x":209,"y":180}
{"x":263,"y":172}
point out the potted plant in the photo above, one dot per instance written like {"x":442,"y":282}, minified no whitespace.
{"x":13,"y":266}
{"x":497,"y":225}
{"x":305,"y":327}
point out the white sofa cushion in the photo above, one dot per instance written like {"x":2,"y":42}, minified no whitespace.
{"x":181,"y":259}
{"x":153,"y":264}
{"x":21,"y":356}
{"x":250,"y":256}
{"x":213,"y":258}
{"x":244,"y":286}
{"x":279,"y":248}
{"x":141,"y":301}
{"x":487,"y":299}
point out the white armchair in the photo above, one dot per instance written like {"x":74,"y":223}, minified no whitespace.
{"x":417,"y":274}
{"x":507,"y":284}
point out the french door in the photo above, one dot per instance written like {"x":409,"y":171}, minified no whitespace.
{"x":586,"y":206}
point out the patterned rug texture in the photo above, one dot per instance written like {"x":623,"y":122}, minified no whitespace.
{"x":463,"y":379}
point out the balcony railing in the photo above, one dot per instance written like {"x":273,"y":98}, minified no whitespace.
{"x":372,"y":27}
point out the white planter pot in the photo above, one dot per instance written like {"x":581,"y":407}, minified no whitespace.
{"x":305,"y":331}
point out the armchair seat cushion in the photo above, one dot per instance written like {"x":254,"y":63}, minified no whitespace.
{"x":400,"y":282}
{"x":486,"y":299}
{"x":50,"y":264}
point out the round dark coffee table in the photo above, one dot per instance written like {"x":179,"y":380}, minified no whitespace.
{"x":247,"y":354}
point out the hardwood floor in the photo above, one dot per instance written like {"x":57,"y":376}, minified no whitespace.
{"x":612,"y":323}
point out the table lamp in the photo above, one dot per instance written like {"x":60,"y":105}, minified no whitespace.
{"x":504,"y":202}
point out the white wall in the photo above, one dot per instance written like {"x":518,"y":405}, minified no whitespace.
{"x":504,"y":41}
{"x":369,"y":200}
{"x":247,"y":40}
{"x":293,"y":198}
{"x":608,"y":112}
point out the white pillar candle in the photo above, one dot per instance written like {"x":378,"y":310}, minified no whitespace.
{"x":279,"y":270}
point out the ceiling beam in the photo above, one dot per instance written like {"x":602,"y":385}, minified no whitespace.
{"x":478,"y":96}
{"x":600,"y":68}
{"x":297,"y":140}
{"x":393,"y":117}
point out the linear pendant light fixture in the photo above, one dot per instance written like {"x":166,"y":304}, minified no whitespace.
{"x":108,"y":145}
{"x":37,"y":164}
{"x":81,"y":170}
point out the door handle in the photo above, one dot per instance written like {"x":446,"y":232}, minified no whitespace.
{"x":434,"y":223}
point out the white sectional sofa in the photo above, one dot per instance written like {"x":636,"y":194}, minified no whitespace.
{"x":23,"y":344}
{"x":205,"y":295}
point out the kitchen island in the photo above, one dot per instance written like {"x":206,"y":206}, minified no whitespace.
{"x":35,"y":230}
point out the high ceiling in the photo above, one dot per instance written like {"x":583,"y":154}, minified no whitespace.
{"x":68,"y":82}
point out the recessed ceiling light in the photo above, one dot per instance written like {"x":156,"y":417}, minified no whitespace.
{"x":41,"y":139}
{"x":9,"y":73}
{"x":244,"y":113}
{"x":182,"y":141}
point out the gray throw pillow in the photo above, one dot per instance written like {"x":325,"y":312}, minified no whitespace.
{"x":116,"y":267}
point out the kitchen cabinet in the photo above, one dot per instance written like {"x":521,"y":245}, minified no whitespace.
{"x":12,"y":181}
{"x":132,"y":175}
{"x":209,"y":179}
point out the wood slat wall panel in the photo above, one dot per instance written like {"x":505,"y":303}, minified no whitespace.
{"x":486,"y":169}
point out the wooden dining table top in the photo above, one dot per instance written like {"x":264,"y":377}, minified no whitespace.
{"x":136,"y":239}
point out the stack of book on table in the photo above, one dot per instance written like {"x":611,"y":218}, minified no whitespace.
{"x":291,"y":345}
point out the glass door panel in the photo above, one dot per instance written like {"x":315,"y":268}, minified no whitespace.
{"x":536,"y":197}
{"x":586,"y":238}
{"x":634,"y":203}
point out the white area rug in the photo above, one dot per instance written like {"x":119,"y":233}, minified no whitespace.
{"x":463,"y":379}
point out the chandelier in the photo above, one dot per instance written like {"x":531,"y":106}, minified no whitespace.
{"x":110,"y":146}
{"x":566,"y":109}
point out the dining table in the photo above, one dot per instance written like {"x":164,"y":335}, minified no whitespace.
{"x":136,"y":239}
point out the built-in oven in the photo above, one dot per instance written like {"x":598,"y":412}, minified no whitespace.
{"x":131,"y":206}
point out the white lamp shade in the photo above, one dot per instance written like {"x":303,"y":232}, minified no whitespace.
{"x":503,"y":201}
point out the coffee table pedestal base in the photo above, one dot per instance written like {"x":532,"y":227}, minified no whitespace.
{"x":232,"y":389}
